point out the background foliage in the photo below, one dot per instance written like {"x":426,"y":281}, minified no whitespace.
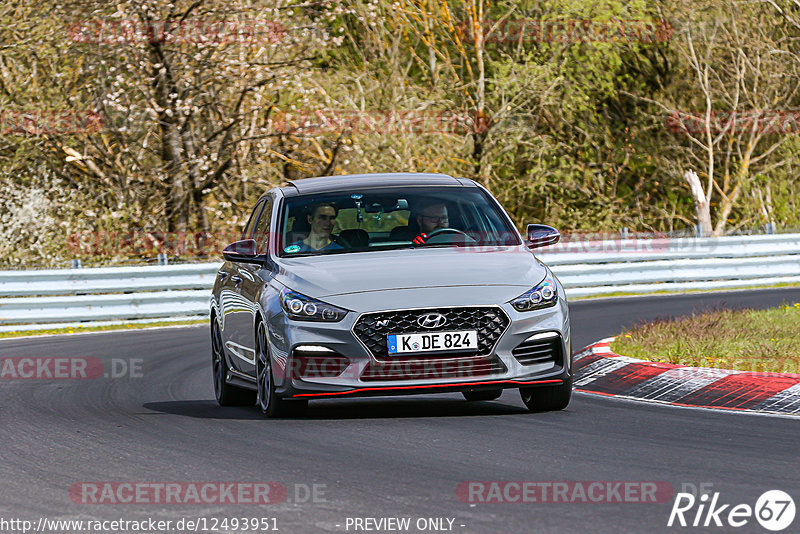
{"x":568,"y":131}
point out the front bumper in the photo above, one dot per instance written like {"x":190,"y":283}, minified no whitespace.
{"x":418,"y":374}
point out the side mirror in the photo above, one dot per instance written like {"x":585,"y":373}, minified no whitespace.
{"x":541,"y":235}
{"x":243,"y":251}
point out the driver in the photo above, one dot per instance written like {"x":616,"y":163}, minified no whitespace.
{"x":430,"y":217}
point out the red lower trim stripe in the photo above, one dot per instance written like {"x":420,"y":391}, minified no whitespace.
{"x":427,"y":386}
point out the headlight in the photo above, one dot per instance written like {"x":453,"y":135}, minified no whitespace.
{"x":303,"y":308}
{"x":543,"y":295}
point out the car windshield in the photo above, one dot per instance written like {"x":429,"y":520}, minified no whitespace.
{"x":384,"y":218}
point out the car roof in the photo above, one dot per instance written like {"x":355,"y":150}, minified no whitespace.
{"x":349,"y":181}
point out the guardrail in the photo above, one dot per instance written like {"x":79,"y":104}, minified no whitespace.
{"x":32,"y":300}
{"x":640,"y":265}
{"x":48,"y":299}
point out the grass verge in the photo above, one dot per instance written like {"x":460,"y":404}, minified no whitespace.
{"x":81,"y":329}
{"x":747,"y":340}
{"x":680,"y":292}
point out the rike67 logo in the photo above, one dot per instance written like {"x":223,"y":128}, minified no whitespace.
{"x":774,"y":510}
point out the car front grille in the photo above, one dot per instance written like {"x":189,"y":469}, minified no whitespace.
{"x":460,"y":368}
{"x":489,"y":321}
{"x":540,"y":349}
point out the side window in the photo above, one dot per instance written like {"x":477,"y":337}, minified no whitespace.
{"x":248,"y":230}
{"x":262,"y":231}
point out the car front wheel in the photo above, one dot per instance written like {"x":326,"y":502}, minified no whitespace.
{"x":226,"y":394}
{"x":268,"y":401}
{"x":548,"y":398}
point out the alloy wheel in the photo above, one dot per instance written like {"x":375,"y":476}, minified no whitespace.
{"x":264,"y":371}
{"x":218,"y":363}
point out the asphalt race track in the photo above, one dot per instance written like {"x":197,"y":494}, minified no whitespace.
{"x":379,"y":457}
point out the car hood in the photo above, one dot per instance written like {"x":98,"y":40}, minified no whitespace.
{"x":513,"y":268}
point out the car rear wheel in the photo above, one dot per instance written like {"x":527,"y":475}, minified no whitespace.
{"x":548,"y":398}
{"x":268,"y":401}
{"x":487,"y":395}
{"x":227,"y":395}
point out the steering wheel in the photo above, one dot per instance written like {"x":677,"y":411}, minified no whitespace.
{"x":448,"y":231}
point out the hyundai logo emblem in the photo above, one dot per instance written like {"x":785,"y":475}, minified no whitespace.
{"x":431,"y":320}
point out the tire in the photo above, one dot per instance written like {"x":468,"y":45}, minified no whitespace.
{"x":270,"y":404}
{"x":547,"y":399}
{"x":227,"y":395}
{"x":486,"y":395}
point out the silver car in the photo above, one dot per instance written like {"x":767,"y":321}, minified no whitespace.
{"x":387,"y":284}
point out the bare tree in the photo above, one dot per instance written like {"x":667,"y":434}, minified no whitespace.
{"x":740,"y":83}
{"x":185,"y":91}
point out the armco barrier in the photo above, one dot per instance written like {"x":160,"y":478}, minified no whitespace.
{"x":37,"y":300}
{"x":637,"y":265}
{"x":31,"y":300}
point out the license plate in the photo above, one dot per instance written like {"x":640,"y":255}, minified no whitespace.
{"x":429,"y":342}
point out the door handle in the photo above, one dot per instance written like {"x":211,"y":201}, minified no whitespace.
{"x":236,"y":279}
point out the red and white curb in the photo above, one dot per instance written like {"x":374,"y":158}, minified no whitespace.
{"x":600,"y":371}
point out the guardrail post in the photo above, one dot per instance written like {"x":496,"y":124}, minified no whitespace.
{"x":623,"y":233}
{"x":76,"y":264}
{"x":769,"y":228}
{"x":163,"y":259}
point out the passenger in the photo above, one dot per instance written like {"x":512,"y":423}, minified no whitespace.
{"x":321,"y":217}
